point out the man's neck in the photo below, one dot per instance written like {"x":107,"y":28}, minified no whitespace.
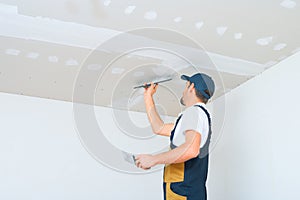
{"x":193,"y":102}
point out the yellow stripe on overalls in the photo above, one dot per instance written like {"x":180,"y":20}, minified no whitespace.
{"x":173,"y":173}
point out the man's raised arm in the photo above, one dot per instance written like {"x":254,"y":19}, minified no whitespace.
{"x":158,"y":126}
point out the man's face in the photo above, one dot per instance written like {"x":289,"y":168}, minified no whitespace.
{"x":184,"y":94}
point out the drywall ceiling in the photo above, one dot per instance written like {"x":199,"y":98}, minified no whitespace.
{"x":51,"y":48}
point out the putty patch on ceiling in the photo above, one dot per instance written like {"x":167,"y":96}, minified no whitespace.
{"x":12,"y":52}
{"x":32,"y":55}
{"x":288,"y":4}
{"x":53,"y":59}
{"x":221,"y":30}
{"x":129,"y":10}
{"x":264,"y":41}
{"x":150,"y":15}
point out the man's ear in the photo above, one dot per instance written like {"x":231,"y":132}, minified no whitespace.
{"x":191,"y":87}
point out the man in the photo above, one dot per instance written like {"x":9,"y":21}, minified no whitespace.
{"x":186,"y":164}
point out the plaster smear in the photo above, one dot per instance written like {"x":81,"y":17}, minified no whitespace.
{"x":33,"y":55}
{"x":71,"y":62}
{"x":94,"y":67}
{"x":264,"y":41}
{"x":117,"y":70}
{"x":238,"y":36}
{"x":280,"y":46}
{"x":12,"y":52}
{"x":53,"y":59}
{"x":106,"y":2}
{"x":288,"y":4}
{"x":177,"y":19}
{"x":129,"y":10}
{"x":221,"y":30}
{"x":150,"y":15}
{"x":198,"y":25}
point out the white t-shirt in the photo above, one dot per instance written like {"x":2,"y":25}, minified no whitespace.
{"x":193,"y":118}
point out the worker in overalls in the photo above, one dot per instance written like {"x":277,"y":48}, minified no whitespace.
{"x":186,"y":163}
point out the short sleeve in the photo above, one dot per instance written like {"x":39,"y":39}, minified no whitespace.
{"x":193,"y":118}
{"x":190,"y":119}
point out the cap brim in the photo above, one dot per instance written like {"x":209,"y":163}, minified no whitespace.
{"x":184,"y":77}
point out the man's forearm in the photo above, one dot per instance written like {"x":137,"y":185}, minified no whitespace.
{"x":153,"y":116}
{"x":177,"y":155}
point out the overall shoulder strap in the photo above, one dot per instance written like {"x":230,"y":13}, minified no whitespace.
{"x":206,"y":112}
{"x":205,"y":149}
{"x":173,"y":131}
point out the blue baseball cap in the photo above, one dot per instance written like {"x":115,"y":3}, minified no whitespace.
{"x":202,"y":82}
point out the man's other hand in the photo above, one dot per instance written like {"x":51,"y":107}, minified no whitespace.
{"x":145,"y":161}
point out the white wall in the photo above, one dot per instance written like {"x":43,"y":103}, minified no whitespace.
{"x":257,"y":156}
{"x":41,"y":156}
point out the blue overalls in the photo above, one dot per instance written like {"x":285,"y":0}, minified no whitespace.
{"x":187,"y":180}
